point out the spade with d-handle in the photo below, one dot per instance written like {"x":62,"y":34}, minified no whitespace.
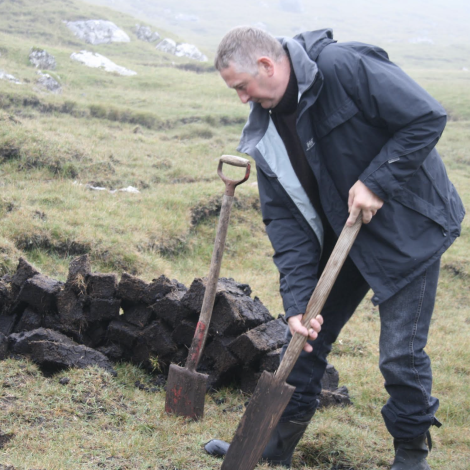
{"x":272,"y":394}
{"x":186,"y":388}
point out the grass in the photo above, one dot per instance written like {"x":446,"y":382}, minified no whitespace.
{"x":162,"y":132}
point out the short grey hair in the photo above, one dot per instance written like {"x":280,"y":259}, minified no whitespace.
{"x":243,"y":46}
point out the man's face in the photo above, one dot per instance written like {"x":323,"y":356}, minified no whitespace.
{"x":261,"y":88}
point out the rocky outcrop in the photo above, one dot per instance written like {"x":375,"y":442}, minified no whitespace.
{"x":190,"y":51}
{"x":97,"y":31}
{"x":45,"y":81}
{"x":95,"y":60}
{"x":144,"y":33}
{"x":167,"y":45}
{"x":42,"y":59}
{"x":181,"y":50}
{"x":6,"y":76}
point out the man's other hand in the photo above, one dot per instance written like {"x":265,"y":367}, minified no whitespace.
{"x":361,"y":198}
{"x":295,"y":326}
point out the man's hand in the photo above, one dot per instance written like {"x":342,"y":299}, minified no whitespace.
{"x":295,"y":326}
{"x":361,"y":198}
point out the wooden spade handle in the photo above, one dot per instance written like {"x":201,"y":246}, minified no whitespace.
{"x":319,"y":296}
{"x":230,"y":185}
{"x":200,"y":335}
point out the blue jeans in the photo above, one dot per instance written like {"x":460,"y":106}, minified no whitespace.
{"x":406,"y":368}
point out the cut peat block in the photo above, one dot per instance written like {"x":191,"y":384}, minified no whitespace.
{"x":260,"y":340}
{"x":102,"y":286}
{"x":56,"y":356}
{"x":234,"y":311}
{"x":39,"y":292}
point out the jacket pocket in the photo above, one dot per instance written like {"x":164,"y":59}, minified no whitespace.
{"x":412,"y":201}
{"x":342,"y":114}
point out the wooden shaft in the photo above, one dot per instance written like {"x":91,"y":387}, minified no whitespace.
{"x":319,"y":296}
{"x":200,"y":335}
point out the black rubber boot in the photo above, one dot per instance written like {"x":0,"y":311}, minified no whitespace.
{"x":410,"y":454}
{"x":280,"y":447}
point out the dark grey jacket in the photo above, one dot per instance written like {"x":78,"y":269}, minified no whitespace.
{"x":360,"y":118}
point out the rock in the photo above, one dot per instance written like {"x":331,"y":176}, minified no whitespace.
{"x":95,"y":60}
{"x":42,"y":59}
{"x":39,"y":292}
{"x":97,"y":31}
{"x":190,"y":51}
{"x":167,"y":45}
{"x":11,"y":78}
{"x":49,"y":83}
{"x":294,"y":6}
{"x":3,"y":346}
{"x":144,"y":33}
{"x":54,"y":355}
{"x":259,"y":341}
{"x":20,"y":343}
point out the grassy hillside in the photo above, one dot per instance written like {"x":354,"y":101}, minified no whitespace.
{"x":408,"y":28}
{"x":161,"y":132}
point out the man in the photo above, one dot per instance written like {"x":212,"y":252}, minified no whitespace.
{"x":338,"y":131}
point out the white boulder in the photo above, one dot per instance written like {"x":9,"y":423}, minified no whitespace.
{"x":190,"y":51}
{"x":97,"y":31}
{"x":167,"y":45}
{"x":95,"y":60}
{"x":9,"y":77}
{"x":144,"y":33}
{"x":42,"y":59}
{"x":49,"y":83}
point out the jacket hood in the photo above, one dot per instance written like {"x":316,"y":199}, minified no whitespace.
{"x":313,"y":42}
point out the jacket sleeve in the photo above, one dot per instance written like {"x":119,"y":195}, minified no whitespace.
{"x":388,"y":97}
{"x":296,"y":254}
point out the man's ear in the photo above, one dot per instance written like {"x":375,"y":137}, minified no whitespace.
{"x":266,"y":64}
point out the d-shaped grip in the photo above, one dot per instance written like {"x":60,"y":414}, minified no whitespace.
{"x":230,"y":185}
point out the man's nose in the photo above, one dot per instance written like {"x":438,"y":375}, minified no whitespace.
{"x":244,"y":96}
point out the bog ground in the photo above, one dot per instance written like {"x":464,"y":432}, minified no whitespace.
{"x":161,"y":132}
